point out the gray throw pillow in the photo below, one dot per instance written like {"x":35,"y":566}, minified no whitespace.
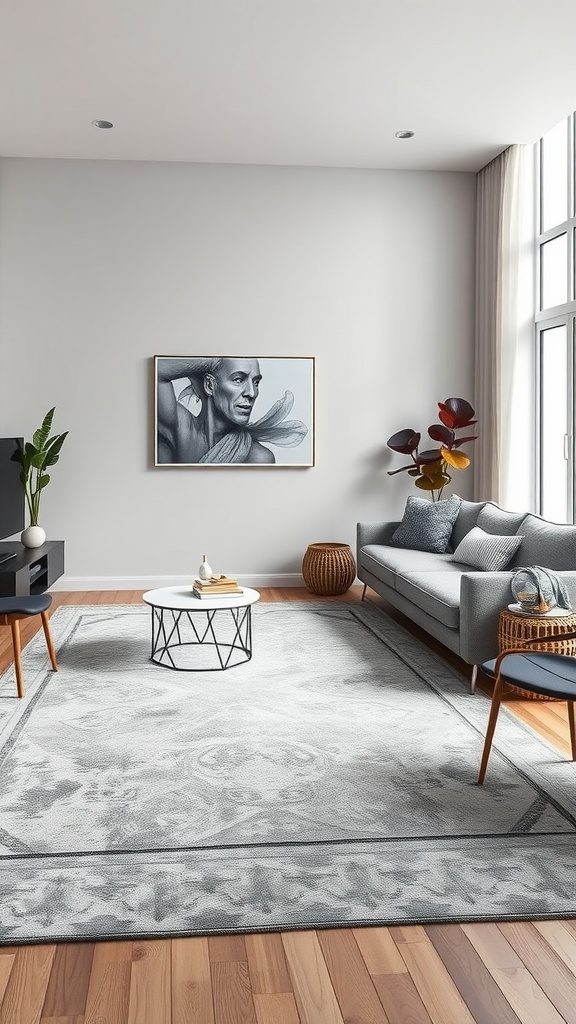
{"x":486,"y":551}
{"x":426,"y":525}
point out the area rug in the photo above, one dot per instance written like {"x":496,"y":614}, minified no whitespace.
{"x":330,"y":781}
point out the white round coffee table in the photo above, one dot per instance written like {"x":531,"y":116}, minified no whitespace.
{"x":182,"y":623}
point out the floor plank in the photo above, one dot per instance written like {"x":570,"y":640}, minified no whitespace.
{"x":191,"y":982}
{"x":471,"y":976}
{"x":315,"y":996}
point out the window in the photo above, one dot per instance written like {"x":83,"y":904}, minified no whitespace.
{"x":556,"y":321}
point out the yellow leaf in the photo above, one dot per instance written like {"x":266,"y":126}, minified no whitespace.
{"x":431,"y":468}
{"x":455,"y":459}
{"x":434,"y":483}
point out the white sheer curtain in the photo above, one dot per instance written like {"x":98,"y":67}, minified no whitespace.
{"x":504,"y":331}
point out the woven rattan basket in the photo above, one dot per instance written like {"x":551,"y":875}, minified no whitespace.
{"x":514,"y":630}
{"x":328,"y":569}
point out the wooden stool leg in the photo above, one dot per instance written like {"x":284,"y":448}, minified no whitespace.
{"x":49,"y":644}
{"x":572,"y":728}
{"x":15,"y":627}
{"x":496,"y":701}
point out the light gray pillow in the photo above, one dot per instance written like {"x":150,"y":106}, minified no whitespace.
{"x":426,"y":525}
{"x":486,"y":551}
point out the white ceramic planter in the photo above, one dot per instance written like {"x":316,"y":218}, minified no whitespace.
{"x":33,"y":537}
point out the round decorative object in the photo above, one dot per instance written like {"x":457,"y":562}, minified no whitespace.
{"x":529,"y":596}
{"x":33,"y":537}
{"x":205,"y":570}
{"x":328,"y":569}
{"x":514,"y":630}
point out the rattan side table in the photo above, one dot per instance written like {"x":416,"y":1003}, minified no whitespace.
{"x":515,"y":629}
{"x":328,"y":569}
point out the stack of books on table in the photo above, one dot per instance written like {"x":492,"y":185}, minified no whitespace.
{"x":216,"y":586}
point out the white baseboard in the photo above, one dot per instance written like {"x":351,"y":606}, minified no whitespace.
{"x":73,"y":583}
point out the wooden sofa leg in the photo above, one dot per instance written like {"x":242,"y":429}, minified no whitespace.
{"x":364,"y":592}
{"x":15,"y":627}
{"x":473,"y":678}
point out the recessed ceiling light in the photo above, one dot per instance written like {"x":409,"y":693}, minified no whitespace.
{"x":404,"y":135}
{"x":102,"y":124}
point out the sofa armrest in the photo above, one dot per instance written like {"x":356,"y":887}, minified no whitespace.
{"x":374,"y":533}
{"x":483,"y":595}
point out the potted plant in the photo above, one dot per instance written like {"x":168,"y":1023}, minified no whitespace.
{"x":431,"y":468}
{"x":35,"y":457}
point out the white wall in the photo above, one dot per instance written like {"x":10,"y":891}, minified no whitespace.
{"x":104,"y":264}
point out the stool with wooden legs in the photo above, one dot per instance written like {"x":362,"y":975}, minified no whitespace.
{"x":542,"y":672}
{"x":12,"y":610}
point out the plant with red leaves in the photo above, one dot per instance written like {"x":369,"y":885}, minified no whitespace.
{"x":431,"y":468}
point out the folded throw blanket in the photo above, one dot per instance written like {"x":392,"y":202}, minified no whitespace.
{"x":552,"y":591}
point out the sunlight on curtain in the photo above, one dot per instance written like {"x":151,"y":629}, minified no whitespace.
{"x":503,"y":360}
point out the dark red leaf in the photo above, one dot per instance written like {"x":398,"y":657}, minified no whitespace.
{"x":463,"y":440}
{"x":427,"y":457}
{"x":404,"y":441}
{"x":438,"y":432}
{"x":456,"y":413}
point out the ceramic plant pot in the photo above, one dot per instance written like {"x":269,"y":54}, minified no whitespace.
{"x":33,"y":537}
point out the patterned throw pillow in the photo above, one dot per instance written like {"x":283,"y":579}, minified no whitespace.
{"x":486,"y":551}
{"x":426,"y":525}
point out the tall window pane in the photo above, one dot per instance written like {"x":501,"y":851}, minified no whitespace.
{"x":554,"y":272}
{"x":554,"y":424}
{"x":554,"y":195}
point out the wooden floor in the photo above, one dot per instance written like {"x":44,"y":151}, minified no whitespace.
{"x":445,"y":974}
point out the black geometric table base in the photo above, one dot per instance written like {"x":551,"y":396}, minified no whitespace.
{"x":224,"y":634}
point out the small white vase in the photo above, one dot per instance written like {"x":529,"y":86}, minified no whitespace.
{"x":33,"y":537}
{"x":205,"y":570}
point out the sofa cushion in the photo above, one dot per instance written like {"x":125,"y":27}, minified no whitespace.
{"x":384,"y":561}
{"x":437,"y":593}
{"x":552,"y":545}
{"x":487,"y":551}
{"x":426,"y":525}
{"x":467,"y":518}
{"x":493,"y":519}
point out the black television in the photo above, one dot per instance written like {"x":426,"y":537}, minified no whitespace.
{"x":12,"y":506}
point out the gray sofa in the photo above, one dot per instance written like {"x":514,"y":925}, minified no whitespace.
{"x":459,"y":605}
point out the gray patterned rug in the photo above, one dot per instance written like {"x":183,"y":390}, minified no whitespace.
{"x":329,"y":781}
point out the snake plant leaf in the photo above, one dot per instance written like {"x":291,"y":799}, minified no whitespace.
{"x":404,"y":441}
{"x":438,"y":432}
{"x":40,"y":436}
{"x":456,"y":413}
{"x":456,"y":459}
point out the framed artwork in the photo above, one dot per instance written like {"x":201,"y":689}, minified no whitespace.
{"x":234,"y":411}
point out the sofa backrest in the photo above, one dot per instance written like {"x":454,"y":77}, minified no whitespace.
{"x":495,"y":520}
{"x":552,"y":545}
{"x":467,"y":518}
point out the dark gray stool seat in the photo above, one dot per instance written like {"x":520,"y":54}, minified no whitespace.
{"x":31,"y":605}
{"x":12,"y":610}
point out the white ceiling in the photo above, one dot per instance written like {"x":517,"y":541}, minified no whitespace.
{"x":309,"y":82}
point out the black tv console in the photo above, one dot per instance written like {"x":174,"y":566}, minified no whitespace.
{"x":33,"y":570}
